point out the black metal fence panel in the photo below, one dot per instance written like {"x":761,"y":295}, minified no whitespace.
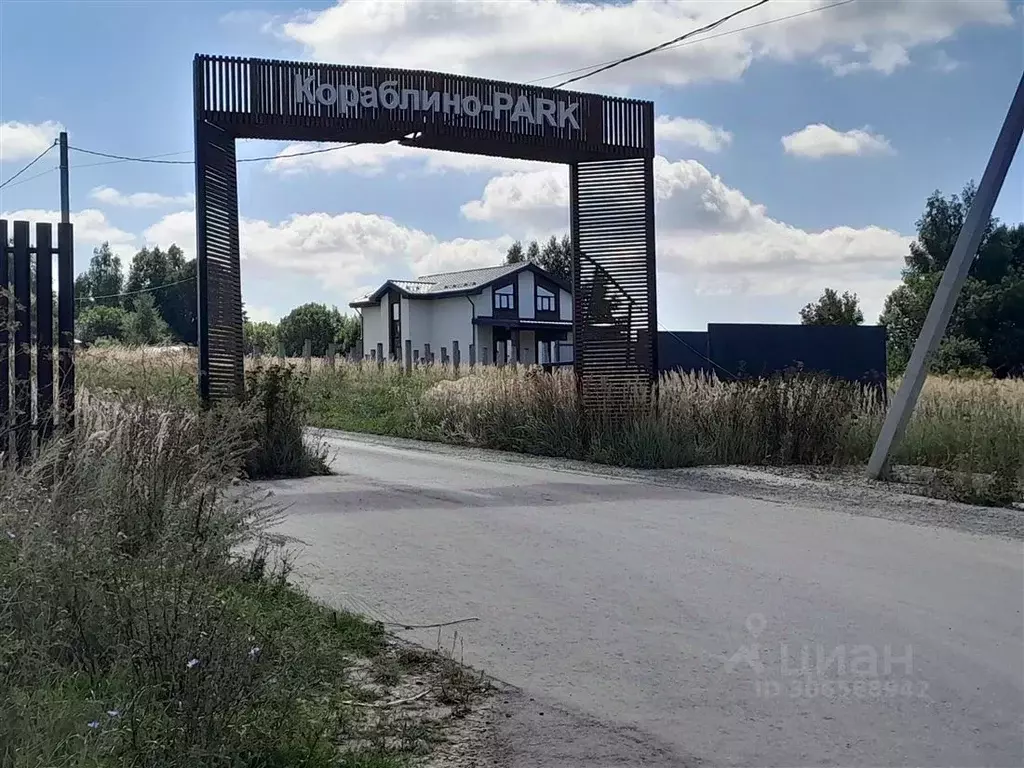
{"x":684,"y":351}
{"x":26,"y":333}
{"x":742,"y":350}
{"x":5,"y":338}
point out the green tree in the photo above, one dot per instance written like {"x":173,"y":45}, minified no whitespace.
{"x":956,"y":354}
{"x":515,"y":254}
{"x":144,"y":324}
{"x":101,"y":322}
{"x":103,"y":282}
{"x":260,"y":336}
{"x":833,"y":309}
{"x":312,"y":321}
{"x":349,"y":335}
{"x":989,"y":313}
{"x":556,"y":259}
{"x":171,"y":280}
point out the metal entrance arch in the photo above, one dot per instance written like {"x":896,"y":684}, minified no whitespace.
{"x":607,"y":142}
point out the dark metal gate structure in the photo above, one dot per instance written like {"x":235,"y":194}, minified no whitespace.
{"x":26,"y":335}
{"x":607,"y":142}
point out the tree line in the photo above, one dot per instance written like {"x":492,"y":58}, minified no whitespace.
{"x":156,"y":304}
{"x":986,"y":330}
{"x":156,"y":301}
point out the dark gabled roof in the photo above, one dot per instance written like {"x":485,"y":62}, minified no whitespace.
{"x":445,"y":284}
{"x":468,"y":279}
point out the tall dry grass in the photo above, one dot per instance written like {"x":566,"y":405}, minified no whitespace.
{"x":144,"y":619}
{"x":963,"y":425}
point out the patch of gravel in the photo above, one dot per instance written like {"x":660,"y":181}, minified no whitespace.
{"x":843,"y":489}
{"x":424,"y":704}
{"x":849,"y":491}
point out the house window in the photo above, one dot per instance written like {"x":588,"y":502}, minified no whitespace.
{"x":505,"y":297}
{"x":545,"y":300}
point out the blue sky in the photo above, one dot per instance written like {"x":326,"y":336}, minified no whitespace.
{"x":883,"y":102}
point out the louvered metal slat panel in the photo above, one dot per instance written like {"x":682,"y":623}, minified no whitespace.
{"x":261,"y":98}
{"x":614,"y":283}
{"x":221,"y":374}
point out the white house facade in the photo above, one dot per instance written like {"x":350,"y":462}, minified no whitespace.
{"x":494,"y":315}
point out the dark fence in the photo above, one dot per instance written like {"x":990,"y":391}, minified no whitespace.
{"x":747,"y":350}
{"x":27,"y":410}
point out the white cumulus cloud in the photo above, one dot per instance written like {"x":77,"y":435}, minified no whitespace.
{"x":715,"y":236}
{"x":23,"y":141}
{"x":819,"y":140}
{"x":344,"y":250}
{"x":91,"y":228}
{"x":526,"y":39}
{"x":111,"y":196}
{"x":690,"y":132}
{"x":373,"y":159}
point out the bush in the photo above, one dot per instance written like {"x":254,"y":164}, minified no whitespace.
{"x":276,"y":399}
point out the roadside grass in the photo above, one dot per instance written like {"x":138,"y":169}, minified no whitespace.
{"x":968,"y":432}
{"x":146,"y":612}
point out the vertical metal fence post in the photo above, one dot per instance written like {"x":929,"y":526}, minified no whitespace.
{"x":66,"y":324}
{"x":22,"y":342}
{"x":44,"y":331}
{"x":5,"y":369}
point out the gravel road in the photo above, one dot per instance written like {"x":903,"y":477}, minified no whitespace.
{"x":700,"y":617}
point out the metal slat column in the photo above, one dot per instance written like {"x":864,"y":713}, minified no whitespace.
{"x":219,"y":270}
{"x":614,"y":318}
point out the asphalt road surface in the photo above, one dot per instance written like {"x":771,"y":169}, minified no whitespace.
{"x":654,"y":625}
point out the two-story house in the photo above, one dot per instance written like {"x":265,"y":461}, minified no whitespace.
{"x":508,"y":313}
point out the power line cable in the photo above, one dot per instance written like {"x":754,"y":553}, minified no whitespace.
{"x":34,"y":176}
{"x":154,"y":158}
{"x":131,"y":159}
{"x":684,"y":43}
{"x":662,"y":46}
{"x":38,"y":157}
{"x":133,"y":293}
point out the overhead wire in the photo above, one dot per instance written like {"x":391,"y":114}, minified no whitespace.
{"x":136,"y":292}
{"x":662,"y":46}
{"x":33,"y":177}
{"x":683,"y":43}
{"x":113,"y":158}
{"x":38,"y":157}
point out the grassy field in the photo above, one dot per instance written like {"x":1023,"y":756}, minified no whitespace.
{"x":146,"y":613}
{"x":971,"y":430}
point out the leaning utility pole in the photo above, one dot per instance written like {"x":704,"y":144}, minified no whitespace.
{"x":953,"y":278}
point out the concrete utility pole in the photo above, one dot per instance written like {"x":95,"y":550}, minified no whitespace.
{"x":953,"y":278}
{"x":65,"y":194}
